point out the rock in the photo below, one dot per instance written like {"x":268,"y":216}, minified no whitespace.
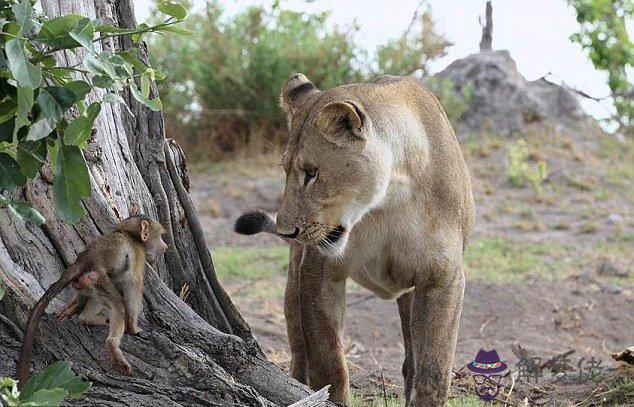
{"x":611,"y":289}
{"x":615,"y":218}
{"x":505,"y":102}
{"x":626,"y":356}
{"x":607,"y":268}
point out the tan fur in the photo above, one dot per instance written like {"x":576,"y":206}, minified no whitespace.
{"x":390,"y":171}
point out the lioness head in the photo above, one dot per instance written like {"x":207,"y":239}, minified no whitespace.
{"x":337,"y":169}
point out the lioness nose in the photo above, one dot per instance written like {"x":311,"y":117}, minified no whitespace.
{"x":289,"y":235}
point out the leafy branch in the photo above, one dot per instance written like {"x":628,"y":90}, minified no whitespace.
{"x":603,"y":33}
{"x":47,"y":388}
{"x":45,"y":113}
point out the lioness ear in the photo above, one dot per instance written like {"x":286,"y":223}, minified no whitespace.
{"x":342,"y":121}
{"x":296,"y":87}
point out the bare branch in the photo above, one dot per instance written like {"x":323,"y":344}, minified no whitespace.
{"x":487,"y":29}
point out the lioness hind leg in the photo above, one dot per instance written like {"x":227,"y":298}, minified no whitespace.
{"x":434,"y":332}
{"x":292,"y":314}
{"x":405,"y":312}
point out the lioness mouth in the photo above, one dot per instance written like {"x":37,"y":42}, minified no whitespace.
{"x":335,"y":234}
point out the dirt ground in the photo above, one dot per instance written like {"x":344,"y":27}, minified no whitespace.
{"x":574,"y":288}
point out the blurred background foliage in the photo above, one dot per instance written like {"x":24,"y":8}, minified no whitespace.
{"x":223,"y":89}
{"x":603,"y":33}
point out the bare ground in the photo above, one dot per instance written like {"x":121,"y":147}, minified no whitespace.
{"x":579,"y":296}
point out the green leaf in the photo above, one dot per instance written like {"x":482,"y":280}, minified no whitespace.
{"x":112,"y":98}
{"x":136,"y":37}
{"x":22,"y":70}
{"x":145,"y":86}
{"x":25,"y":103}
{"x":80,"y":129}
{"x":6,"y":131}
{"x":22,"y":12}
{"x":57,"y":375}
{"x":102,"y":81}
{"x":45,"y":397}
{"x":159,"y":76}
{"x":25,"y":211}
{"x":4,"y":384}
{"x":70,"y":184}
{"x":40,"y":129}
{"x":8,"y":108}
{"x":100,"y":65}
{"x":55,"y":101}
{"x":79,"y":88}
{"x":31,"y":156}
{"x":134,"y":60}
{"x":10,"y":175}
{"x":176,"y":30}
{"x":84,"y":33}
{"x":154,"y":104}
{"x":56,"y":32}
{"x":173,"y":9}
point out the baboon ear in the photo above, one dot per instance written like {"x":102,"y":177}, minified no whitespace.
{"x":342,"y":122}
{"x":296,"y":87}
{"x":145,"y":230}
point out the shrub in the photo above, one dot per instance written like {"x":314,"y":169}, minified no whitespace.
{"x":454,"y":101}
{"x":227,"y":77}
{"x":414,"y":50}
{"x":520,"y":171}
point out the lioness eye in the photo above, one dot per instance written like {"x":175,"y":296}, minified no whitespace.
{"x":310,"y":174}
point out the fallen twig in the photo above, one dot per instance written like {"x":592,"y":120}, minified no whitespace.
{"x":384,"y":391}
{"x":318,"y":398}
{"x":487,"y":322}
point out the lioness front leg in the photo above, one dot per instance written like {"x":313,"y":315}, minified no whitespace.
{"x":434,"y":332}
{"x":322,"y":300}
{"x":405,"y":312}
{"x":299,"y":362}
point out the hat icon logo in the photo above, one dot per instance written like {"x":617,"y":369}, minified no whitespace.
{"x":486,"y":369}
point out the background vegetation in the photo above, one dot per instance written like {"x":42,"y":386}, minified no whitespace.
{"x":223,"y":91}
{"x":603,"y":33}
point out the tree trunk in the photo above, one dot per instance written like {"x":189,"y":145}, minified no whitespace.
{"x":196,"y":353}
{"x":487,"y":29}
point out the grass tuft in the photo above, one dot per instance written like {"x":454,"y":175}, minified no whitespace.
{"x":250,"y":262}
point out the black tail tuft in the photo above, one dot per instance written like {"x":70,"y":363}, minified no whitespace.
{"x":251,"y":223}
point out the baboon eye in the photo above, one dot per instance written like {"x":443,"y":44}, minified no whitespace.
{"x":310,"y":174}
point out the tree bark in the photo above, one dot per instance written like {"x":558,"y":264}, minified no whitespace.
{"x":196,"y":353}
{"x":487,"y":29}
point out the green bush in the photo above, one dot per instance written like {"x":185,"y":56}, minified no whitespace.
{"x":227,"y":78}
{"x":520,"y":171}
{"x":454,"y":101}
{"x":412,"y":52}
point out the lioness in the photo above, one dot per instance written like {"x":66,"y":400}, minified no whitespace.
{"x":376,"y":190}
